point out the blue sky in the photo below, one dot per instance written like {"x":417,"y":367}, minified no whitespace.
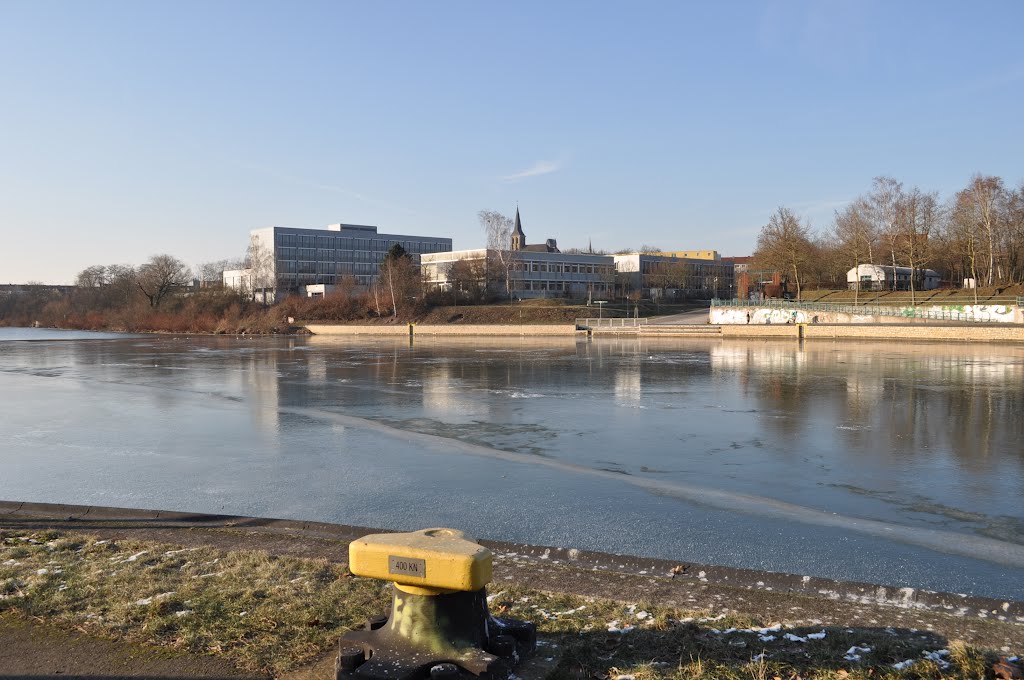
{"x":134,"y":128}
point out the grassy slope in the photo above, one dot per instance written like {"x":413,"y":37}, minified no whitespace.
{"x":274,"y":613}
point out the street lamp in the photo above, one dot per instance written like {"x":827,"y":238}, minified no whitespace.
{"x":600,"y":306}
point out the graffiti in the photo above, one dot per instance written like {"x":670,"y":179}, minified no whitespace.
{"x":773,"y":315}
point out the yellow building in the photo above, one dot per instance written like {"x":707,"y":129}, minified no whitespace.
{"x":692,"y":254}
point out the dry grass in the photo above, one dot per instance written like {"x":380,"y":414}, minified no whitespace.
{"x":270,"y":613}
{"x":656,"y":642}
{"x":261,"y":611}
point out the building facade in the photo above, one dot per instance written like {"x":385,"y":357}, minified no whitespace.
{"x":530,"y":274}
{"x":887,"y":277}
{"x":662,"y":276}
{"x":692,"y":254}
{"x":282,"y":260}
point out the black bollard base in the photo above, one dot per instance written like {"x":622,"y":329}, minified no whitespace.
{"x":445,"y":636}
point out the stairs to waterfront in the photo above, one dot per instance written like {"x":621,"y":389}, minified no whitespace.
{"x":649,"y":330}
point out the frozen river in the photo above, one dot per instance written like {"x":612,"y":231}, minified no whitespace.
{"x":893,"y":464}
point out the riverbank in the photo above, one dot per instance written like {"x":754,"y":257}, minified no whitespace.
{"x":959,"y":333}
{"x":599,"y":614}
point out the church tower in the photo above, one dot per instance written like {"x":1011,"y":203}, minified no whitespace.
{"x":518,"y":241}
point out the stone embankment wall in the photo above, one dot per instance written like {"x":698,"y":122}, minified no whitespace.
{"x":764,"y":315}
{"x":533,"y":330}
{"x":888,"y":332}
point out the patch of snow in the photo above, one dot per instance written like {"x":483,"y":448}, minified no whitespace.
{"x":766,"y":638}
{"x":794,"y":638}
{"x":816,"y":636}
{"x":616,"y":627}
{"x":903,"y":665}
{"x":854,"y":653}
{"x":641,"y":615}
{"x":938,"y":657}
{"x":42,"y":572}
{"x":183,"y":612}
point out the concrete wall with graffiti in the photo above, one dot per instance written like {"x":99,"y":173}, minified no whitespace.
{"x":776,"y":315}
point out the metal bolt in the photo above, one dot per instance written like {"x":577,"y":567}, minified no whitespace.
{"x":375,"y":622}
{"x":503,"y":645}
{"x":350,"y":658}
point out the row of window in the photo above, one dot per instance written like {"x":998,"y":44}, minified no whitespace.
{"x":293,"y":281}
{"x":564,"y":268}
{"x":348,"y":243}
{"x":321,"y":267}
{"x":562,"y":286}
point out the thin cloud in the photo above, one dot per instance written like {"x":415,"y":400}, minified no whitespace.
{"x":538,"y":168}
{"x":333,"y":188}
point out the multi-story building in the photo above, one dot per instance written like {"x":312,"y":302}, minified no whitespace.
{"x":692,"y":254}
{"x":673,"y":277}
{"x":524,"y":271}
{"x":530,"y":273}
{"x":282,"y":260}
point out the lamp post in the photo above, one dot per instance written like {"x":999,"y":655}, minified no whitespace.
{"x":600,"y":307}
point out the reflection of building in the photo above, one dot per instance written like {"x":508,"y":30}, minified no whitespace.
{"x":283,"y":259}
{"x":446,"y":397}
{"x":887,"y":277}
{"x":628,"y":382}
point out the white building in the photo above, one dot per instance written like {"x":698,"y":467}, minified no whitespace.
{"x":665,"y":275}
{"x":531,"y":273}
{"x":282,"y":260}
{"x":887,"y":277}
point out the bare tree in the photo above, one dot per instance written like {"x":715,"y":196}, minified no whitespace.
{"x":1015,"y":235}
{"x":919,"y":217}
{"x":501,"y":259}
{"x":213,"y":272}
{"x":985,"y":199}
{"x":467,"y":277}
{"x":161,"y":275}
{"x":962,"y":237}
{"x":785,"y":245}
{"x":92,"y":277}
{"x":259,"y":260}
{"x":886,"y":200}
{"x":855,"y":237}
{"x":399,"y":277}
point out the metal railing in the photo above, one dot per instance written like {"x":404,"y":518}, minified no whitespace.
{"x":908,"y":312}
{"x":624,"y":322}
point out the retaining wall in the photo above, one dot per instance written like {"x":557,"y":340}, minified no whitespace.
{"x":889,"y":332}
{"x":760,"y":315}
{"x":533,"y":330}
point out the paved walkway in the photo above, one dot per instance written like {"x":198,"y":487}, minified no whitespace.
{"x":34,"y":650}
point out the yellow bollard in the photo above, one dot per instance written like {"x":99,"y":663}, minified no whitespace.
{"x":439,"y":625}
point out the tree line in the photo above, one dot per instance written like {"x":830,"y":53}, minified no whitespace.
{"x":975,"y":235}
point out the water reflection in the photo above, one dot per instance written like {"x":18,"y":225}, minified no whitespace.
{"x":926,"y":434}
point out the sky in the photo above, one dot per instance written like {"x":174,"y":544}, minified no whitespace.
{"x":129,"y":129}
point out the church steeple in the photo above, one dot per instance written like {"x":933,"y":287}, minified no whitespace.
{"x":518,"y":240}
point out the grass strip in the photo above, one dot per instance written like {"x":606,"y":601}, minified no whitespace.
{"x":272,"y":614}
